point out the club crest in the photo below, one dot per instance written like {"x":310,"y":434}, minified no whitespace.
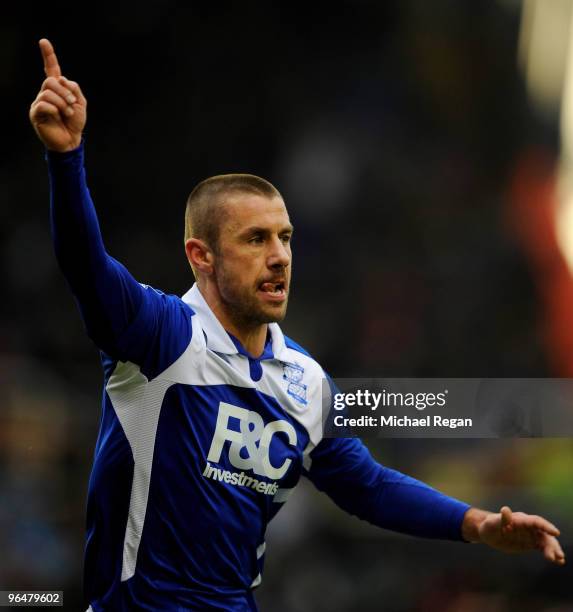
{"x":293,"y":374}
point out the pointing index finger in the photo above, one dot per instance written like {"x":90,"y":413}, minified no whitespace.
{"x":51,"y":66}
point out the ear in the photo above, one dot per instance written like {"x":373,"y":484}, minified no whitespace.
{"x":199,"y":255}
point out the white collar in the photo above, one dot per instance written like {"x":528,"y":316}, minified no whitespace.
{"x":218,"y":339}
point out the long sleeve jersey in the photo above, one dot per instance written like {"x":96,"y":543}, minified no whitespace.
{"x":200,"y":444}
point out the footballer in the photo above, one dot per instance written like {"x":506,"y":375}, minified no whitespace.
{"x":210,"y":414}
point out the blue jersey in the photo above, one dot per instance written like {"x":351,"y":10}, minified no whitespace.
{"x":200,"y":444}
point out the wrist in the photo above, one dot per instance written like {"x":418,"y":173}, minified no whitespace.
{"x":57,"y":155}
{"x":69,"y":148}
{"x":472,"y":520}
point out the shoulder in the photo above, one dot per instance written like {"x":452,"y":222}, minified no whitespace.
{"x":294,"y":346}
{"x":160,"y":333}
{"x":169,"y":300}
{"x":165,"y":312}
{"x":297,"y":356}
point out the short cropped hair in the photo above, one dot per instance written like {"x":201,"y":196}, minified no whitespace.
{"x":204,"y":212}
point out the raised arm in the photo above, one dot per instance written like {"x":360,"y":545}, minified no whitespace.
{"x":122,"y":317}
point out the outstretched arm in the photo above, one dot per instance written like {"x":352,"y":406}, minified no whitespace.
{"x":513,"y":532}
{"x":344,"y":469}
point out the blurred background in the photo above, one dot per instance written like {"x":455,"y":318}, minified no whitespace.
{"x":423,"y":150}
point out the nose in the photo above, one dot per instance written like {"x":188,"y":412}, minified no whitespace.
{"x":279,"y":254}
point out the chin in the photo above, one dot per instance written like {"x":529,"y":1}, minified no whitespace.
{"x":274,"y":315}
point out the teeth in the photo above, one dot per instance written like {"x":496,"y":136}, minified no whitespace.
{"x":272,"y":288}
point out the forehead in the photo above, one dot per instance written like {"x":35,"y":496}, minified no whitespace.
{"x":244,"y":210}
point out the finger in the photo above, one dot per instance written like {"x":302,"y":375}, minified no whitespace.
{"x":552,"y":550}
{"x":532,"y":521}
{"x":546,"y":526}
{"x":51,"y":65}
{"x":73,"y":87}
{"x":53,"y":98}
{"x":506,"y":517}
{"x":41,"y":109}
{"x":61,"y":90}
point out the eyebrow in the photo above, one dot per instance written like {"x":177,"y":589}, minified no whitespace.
{"x":265,"y":230}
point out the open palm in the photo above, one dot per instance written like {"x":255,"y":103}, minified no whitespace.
{"x":515,"y":532}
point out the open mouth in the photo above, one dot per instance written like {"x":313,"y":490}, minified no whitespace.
{"x":274,"y":291}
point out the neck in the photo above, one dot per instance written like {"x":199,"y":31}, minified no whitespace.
{"x":252,"y":336}
{"x":253,"y":341}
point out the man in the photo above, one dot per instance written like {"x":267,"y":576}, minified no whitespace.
{"x":210,"y":414}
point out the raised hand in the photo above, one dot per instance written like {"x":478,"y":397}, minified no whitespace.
{"x":515,"y":532}
{"x":58,"y":114}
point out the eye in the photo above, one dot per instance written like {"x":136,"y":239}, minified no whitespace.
{"x":286,"y":238}
{"x":256,"y":239}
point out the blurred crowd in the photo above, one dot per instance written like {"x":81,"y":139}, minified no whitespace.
{"x":397,"y":134}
